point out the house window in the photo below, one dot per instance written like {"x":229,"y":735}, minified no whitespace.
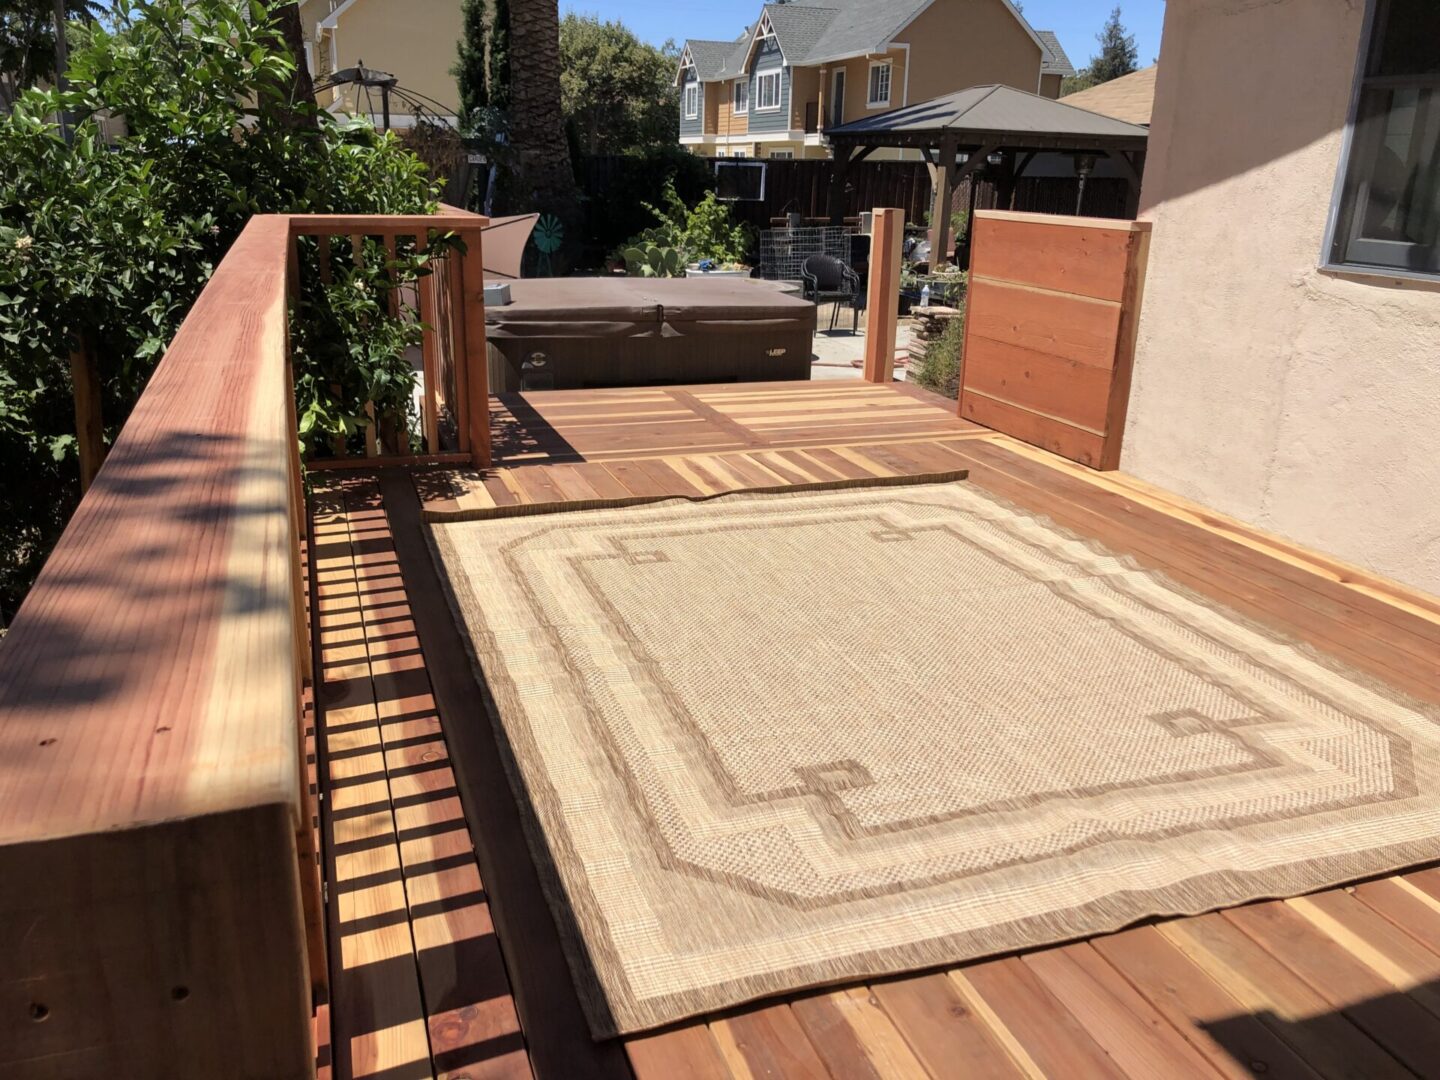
{"x":1388,"y":212}
{"x":692,"y":100}
{"x":767,"y":90}
{"x":742,"y":97}
{"x":781,"y":155}
{"x":879,"y":84}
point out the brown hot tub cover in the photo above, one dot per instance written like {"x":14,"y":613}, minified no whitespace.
{"x":611,"y":331}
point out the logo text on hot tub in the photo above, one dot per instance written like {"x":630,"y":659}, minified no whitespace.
{"x":776,"y":352}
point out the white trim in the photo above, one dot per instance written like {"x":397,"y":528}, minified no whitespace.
{"x":735,"y":107}
{"x":780,"y":155}
{"x":905,"y":83}
{"x":686,"y":61}
{"x":758,"y":105}
{"x":687,"y":110}
{"x":889,"y":64}
{"x":762,"y":24}
{"x":330,"y":20}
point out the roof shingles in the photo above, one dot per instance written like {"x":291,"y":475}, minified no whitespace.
{"x":817,"y":33}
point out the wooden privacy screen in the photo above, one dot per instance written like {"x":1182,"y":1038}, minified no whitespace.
{"x":1050,"y":330}
{"x":159,"y":903}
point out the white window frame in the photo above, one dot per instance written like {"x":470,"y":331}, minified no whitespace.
{"x":782,"y":155}
{"x":737,"y":106}
{"x":872,"y":102}
{"x":739,"y":154}
{"x":760,"y":81}
{"x":692,"y":100}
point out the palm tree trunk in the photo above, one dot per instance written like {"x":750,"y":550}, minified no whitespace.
{"x":536,"y":128}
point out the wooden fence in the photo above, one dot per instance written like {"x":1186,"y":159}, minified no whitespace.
{"x":1051,"y":313}
{"x":802,"y":186}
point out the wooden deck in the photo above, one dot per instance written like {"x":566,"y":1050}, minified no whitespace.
{"x":445,"y":962}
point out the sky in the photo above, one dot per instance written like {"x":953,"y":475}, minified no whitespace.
{"x":1076,"y":22}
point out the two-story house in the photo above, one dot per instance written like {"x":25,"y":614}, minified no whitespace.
{"x":802,"y":67}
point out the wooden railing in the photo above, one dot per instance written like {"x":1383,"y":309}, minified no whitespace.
{"x":160,"y":910}
{"x":454,"y":415}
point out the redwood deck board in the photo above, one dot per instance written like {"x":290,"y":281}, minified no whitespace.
{"x":1310,"y":991}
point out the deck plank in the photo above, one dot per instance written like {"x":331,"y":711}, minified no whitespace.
{"x":1187,"y":997}
{"x":1394,"y":1020}
{"x":555,"y":1030}
{"x":767,"y":1041}
{"x":1131,"y":1030}
{"x":946,"y":1035}
{"x":1053,"y":1038}
{"x":1198,"y":1007}
{"x":1266,"y":988}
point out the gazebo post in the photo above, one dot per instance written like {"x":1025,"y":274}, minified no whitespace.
{"x":944,"y":185}
{"x":835,"y":195}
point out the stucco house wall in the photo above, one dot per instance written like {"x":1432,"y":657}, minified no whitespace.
{"x":1301,"y":401}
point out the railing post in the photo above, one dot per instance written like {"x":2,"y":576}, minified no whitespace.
{"x":882,"y":305}
{"x":89,"y":423}
{"x":477,"y":375}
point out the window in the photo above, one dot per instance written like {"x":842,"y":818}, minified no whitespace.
{"x":742,"y":96}
{"x":781,"y":155}
{"x":740,"y":153}
{"x":879,"y":84}
{"x":767,"y":90}
{"x":1387,"y":215}
{"x":692,"y":100}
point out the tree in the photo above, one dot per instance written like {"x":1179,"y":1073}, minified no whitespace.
{"x":500,"y":56}
{"x":106,"y":240}
{"x":28,"y":42}
{"x":616,"y":92}
{"x":1117,"y":56}
{"x":543,"y":180}
{"x":470,"y":67}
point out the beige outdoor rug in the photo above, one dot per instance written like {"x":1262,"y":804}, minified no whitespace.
{"x":774,"y":741}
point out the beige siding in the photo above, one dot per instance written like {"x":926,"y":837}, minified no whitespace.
{"x":857,"y":82}
{"x":1050,"y":86}
{"x":714,"y":94}
{"x":1300,"y":401}
{"x":728,"y":121}
{"x":414,"y":41}
{"x":960,"y":43}
{"x":804,"y":87}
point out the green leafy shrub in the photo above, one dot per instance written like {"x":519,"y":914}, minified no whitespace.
{"x":702,"y":232}
{"x":106,"y":242}
{"x":652,"y":261}
{"x":939,"y":368}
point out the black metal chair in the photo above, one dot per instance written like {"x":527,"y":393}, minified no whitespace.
{"x":828,"y":278}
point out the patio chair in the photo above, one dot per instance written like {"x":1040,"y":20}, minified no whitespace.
{"x":828,"y":278}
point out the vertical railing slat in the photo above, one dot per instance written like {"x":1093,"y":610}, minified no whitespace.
{"x":472,"y":273}
{"x":430,"y":413}
{"x":455,"y":280}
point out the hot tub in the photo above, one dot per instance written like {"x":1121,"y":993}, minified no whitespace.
{"x":613,"y":331}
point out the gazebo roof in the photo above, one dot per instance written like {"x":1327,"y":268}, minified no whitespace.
{"x":993,"y":114}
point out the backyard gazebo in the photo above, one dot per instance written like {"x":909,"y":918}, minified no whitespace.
{"x":961,"y":132}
